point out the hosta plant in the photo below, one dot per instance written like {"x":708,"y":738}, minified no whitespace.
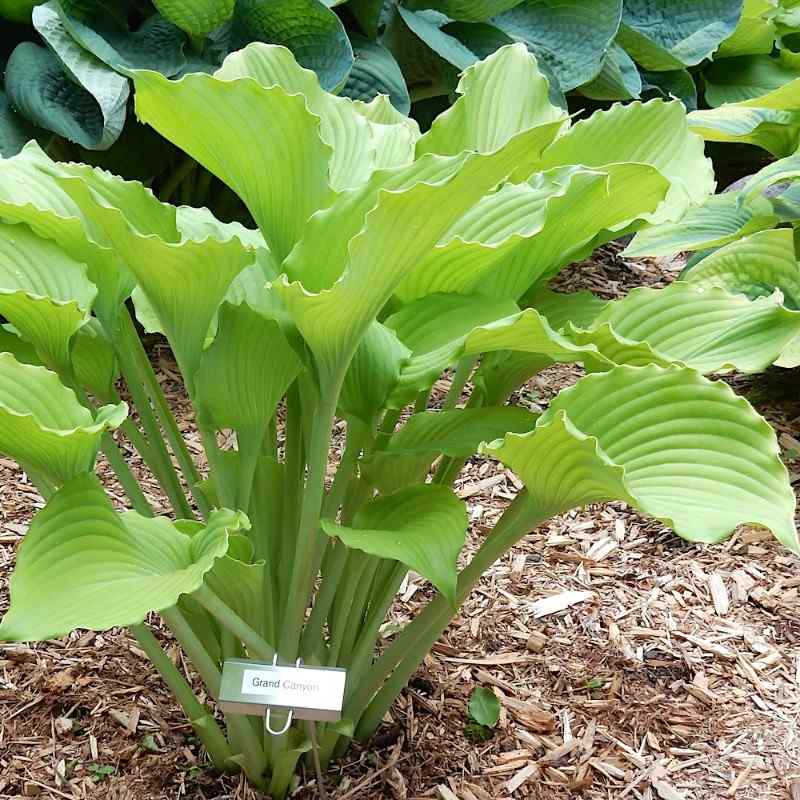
{"x":382,"y":259}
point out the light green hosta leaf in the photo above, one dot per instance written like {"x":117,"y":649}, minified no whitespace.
{"x":707,"y":329}
{"x":311,"y":31}
{"x":94,"y":363}
{"x":234,"y":386}
{"x":746,"y":78}
{"x":653,"y":133}
{"x":579,"y":308}
{"x":108,"y":88}
{"x":352,"y":135}
{"x":618,"y":79}
{"x":755,"y":32}
{"x":500,"y":97}
{"x":721,"y":219}
{"x":423,"y":527}
{"x":262,"y":142}
{"x":457,"y":433}
{"x":754,"y":266}
{"x":776,"y":130}
{"x":665,"y":34}
{"x":373,"y":372}
{"x":42,"y":424}
{"x":465,"y":10}
{"x":375,"y":72}
{"x":502,"y":373}
{"x":43,"y":292}
{"x":196,"y":18}
{"x":678,"y":447}
{"x":524,"y":233}
{"x":525,"y":332}
{"x":82,"y":565}
{"x":570,"y":36}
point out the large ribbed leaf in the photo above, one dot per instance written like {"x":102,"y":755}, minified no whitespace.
{"x":42,"y":424}
{"x":524,"y":233}
{"x":465,"y":10}
{"x":375,"y":72}
{"x":746,"y":78}
{"x":82,"y":565}
{"x":500,"y":97}
{"x":653,"y":133}
{"x":755,"y":32}
{"x":618,"y":79}
{"x":669,"y":34}
{"x":263,"y":142}
{"x":678,"y":447}
{"x":560,"y":308}
{"x":707,"y":329}
{"x":308,"y":28}
{"x":108,"y":89}
{"x":423,"y":527}
{"x":198,"y":17}
{"x":754,"y":266}
{"x":776,"y":130}
{"x":352,"y":135}
{"x":457,"y":433}
{"x":44,"y":293}
{"x":570,"y":36}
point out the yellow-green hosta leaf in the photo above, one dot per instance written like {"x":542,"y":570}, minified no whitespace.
{"x":775,"y":130}
{"x":245,"y":372}
{"x":707,"y":329}
{"x":669,"y":442}
{"x":423,"y":527}
{"x":44,"y":293}
{"x":655,"y":133}
{"x":499,"y":97}
{"x":261,"y":141}
{"x":358,"y":142}
{"x":755,"y":32}
{"x":83,"y":565}
{"x":524,"y":233}
{"x":198,"y":17}
{"x":42,"y":424}
{"x":747,"y":78}
{"x":723,"y":218}
{"x":754,"y":266}
{"x":503,"y":372}
{"x":407,"y":457}
{"x":560,"y":308}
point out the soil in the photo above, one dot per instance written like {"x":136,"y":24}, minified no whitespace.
{"x":628,"y":663}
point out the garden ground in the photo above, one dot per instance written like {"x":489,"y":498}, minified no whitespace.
{"x":628,"y":663}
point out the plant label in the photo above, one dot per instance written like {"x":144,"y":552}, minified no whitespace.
{"x":251,"y":687}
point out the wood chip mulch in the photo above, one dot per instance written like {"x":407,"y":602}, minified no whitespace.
{"x":628,"y":663}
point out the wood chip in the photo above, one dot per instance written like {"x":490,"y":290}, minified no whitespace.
{"x":558,"y":602}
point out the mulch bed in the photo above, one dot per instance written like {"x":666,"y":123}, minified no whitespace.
{"x":628,"y":663}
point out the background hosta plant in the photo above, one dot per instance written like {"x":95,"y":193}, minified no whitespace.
{"x":382,"y":258}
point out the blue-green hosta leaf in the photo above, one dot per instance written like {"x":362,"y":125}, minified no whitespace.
{"x":618,"y":79}
{"x":360,"y":135}
{"x":198,"y":19}
{"x":232,"y":385}
{"x":423,"y":527}
{"x":678,"y":447}
{"x":755,"y":32}
{"x":157,"y":44}
{"x":747,"y":78}
{"x":707,"y":329}
{"x":42,"y":424}
{"x":308,"y":28}
{"x":82,"y":565}
{"x":570,"y":36}
{"x":372,"y":373}
{"x":263,"y":142}
{"x":669,"y":84}
{"x":670,"y":34}
{"x":465,"y":10}
{"x":15,"y":130}
{"x":426,"y":26}
{"x":524,"y":233}
{"x":44,"y":293}
{"x":457,"y":433}
{"x":375,"y":72}
{"x":499,"y":97}
{"x":754,"y":266}
{"x":721,"y":219}
{"x":653,"y":133}
{"x":108,"y":88}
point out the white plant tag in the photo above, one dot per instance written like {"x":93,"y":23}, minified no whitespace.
{"x":313,"y":693}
